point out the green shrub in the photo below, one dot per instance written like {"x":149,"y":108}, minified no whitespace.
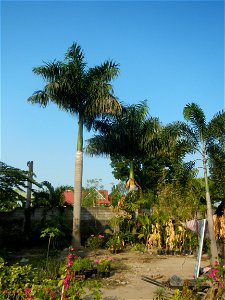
{"x":138,"y":247}
{"x":13,"y":280}
{"x":95,"y":242}
{"x":80,"y":265}
{"x":115,"y":243}
{"x":103,"y":265}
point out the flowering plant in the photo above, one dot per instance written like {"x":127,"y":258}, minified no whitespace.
{"x":24,"y":282}
{"x":217,"y":276}
{"x":95,"y":241}
{"x":103,"y":265}
{"x":74,"y":287}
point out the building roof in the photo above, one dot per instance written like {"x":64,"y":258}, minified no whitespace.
{"x":68,"y":197}
{"x":102,"y":198}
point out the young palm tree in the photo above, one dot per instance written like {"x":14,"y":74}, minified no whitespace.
{"x":86,"y":93}
{"x":206,"y":139}
{"x":49,"y":196}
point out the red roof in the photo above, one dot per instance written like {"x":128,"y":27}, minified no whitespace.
{"x":103,"y":197}
{"x":69,"y":197}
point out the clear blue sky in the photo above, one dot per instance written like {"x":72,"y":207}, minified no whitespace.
{"x":170,"y":53}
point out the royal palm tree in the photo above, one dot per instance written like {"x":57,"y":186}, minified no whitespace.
{"x":128,"y":135}
{"x":206,"y":139}
{"x":81,"y":91}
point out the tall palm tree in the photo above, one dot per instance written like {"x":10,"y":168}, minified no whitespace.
{"x":205,"y":139}
{"x":127,"y":135}
{"x":81,"y":91}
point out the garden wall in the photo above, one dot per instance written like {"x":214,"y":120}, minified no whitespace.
{"x":93,"y":220}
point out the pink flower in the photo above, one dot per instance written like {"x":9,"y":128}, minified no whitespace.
{"x":69,"y":259}
{"x":66,"y":282}
{"x":27,"y":290}
{"x":221,"y":285}
{"x":101,"y":236}
{"x":212,"y":274}
{"x":71,"y":249}
{"x":51,"y":293}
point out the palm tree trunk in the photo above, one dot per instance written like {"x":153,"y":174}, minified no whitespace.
{"x":213,"y":246}
{"x":76,"y":240}
{"x":132,"y":186}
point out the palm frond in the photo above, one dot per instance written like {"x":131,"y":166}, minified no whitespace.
{"x":40,"y":97}
{"x":178,"y":138}
{"x":75,"y":55}
{"x":215,"y":150}
{"x":105,"y":72}
{"x":195,"y":115}
{"x":50,"y":71}
{"x":127,"y":134}
{"x":48,"y":185}
{"x":216,"y":127}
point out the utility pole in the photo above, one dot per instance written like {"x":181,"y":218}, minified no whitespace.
{"x":27,"y":221}
{"x":29,"y":183}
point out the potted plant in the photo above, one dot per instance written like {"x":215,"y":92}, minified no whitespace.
{"x":82,"y":266}
{"x":103,"y":267}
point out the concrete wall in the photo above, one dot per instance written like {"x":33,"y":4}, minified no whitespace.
{"x":93,"y":220}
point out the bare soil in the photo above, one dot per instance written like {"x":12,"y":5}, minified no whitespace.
{"x":127,"y":268}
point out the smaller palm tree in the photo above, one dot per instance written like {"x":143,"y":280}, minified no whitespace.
{"x":49,"y":196}
{"x":207,"y":139}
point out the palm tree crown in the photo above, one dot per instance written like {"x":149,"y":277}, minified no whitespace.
{"x":128,"y":135}
{"x":72,"y":87}
{"x":211,"y":135}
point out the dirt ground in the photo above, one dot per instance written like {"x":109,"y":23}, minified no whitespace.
{"x":125,"y":281}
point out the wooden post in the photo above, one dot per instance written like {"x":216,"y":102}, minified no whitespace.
{"x":28,"y":202}
{"x":29,"y":183}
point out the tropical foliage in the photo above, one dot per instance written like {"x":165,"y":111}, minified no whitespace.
{"x":13,"y":184}
{"x":49,"y":196}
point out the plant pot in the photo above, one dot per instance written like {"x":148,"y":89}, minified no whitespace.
{"x":103,"y":274}
{"x":100,"y":274}
{"x":88,"y":274}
